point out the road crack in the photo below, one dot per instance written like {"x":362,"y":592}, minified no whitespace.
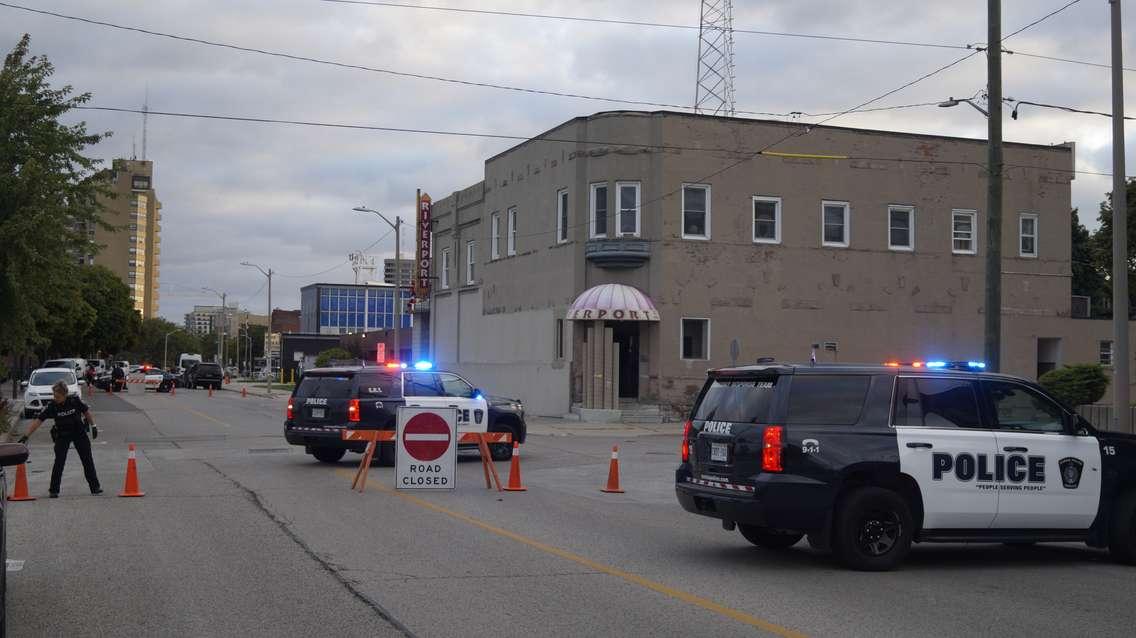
{"x":286,"y":527}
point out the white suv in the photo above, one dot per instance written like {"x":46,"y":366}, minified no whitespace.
{"x":37,"y":389}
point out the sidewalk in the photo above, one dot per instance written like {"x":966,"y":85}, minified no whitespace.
{"x":552,"y":426}
{"x":256,"y":389}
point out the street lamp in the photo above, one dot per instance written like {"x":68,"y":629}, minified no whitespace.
{"x":268,"y":333}
{"x":992,"y":330}
{"x":166,"y":350}
{"x":224,"y":323}
{"x":397,"y":226}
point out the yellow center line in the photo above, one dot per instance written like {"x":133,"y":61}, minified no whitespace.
{"x":204,"y":416}
{"x":647,"y":583}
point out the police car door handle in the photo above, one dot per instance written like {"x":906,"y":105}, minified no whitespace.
{"x":1010,"y":448}
{"x":920,"y":444}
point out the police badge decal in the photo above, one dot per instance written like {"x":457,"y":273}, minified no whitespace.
{"x":1070,"y":472}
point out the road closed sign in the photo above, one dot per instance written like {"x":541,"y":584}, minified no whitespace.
{"x":426,"y":448}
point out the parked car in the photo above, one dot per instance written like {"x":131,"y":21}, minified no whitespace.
{"x":159,"y":380}
{"x":203,"y":375}
{"x":37,"y":389}
{"x":78,"y":365}
{"x":10,"y":454}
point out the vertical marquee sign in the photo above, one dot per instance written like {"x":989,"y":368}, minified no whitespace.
{"x":423,"y":251}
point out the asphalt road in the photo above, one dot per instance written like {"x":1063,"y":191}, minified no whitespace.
{"x":239,"y":534}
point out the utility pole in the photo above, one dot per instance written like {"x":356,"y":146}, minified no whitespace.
{"x":1120,"y":394}
{"x":397,"y":226}
{"x":267,"y":333}
{"x":993,"y":325}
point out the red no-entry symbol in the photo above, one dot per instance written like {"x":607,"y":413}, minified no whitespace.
{"x":426,"y":436}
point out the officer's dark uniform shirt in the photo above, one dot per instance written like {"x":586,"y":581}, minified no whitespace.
{"x":68,"y":415}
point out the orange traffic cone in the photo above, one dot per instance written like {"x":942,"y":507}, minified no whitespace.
{"x":173,"y":390}
{"x":244,"y":392}
{"x":130,"y":488}
{"x":21,"y":491}
{"x":613,"y":473}
{"x":515,"y":471}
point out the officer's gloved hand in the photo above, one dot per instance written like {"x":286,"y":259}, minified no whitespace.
{"x":23,"y":439}
{"x":94,"y":431}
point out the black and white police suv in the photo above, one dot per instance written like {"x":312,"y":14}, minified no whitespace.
{"x":328,"y":400}
{"x":866,"y":459}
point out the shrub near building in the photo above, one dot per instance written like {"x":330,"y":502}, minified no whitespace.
{"x":1080,"y":384}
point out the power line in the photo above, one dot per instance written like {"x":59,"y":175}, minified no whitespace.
{"x":340,"y":264}
{"x":1070,"y":109}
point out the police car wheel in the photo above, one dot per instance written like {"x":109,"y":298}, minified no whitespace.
{"x":769,"y":538}
{"x":1122,"y":535}
{"x":328,"y":454}
{"x":384,"y":455}
{"x":872,"y":531}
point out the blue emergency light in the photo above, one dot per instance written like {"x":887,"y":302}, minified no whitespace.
{"x":423,"y":365}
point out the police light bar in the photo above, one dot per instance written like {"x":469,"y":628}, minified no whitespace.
{"x":938,"y":365}
{"x":423,"y":365}
{"x":395,"y":364}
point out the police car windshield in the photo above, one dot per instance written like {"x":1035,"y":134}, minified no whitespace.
{"x":49,"y":377}
{"x":737,"y":401}
{"x":324,"y":387}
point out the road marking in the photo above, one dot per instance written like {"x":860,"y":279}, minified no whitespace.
{"x":647,"y":583}
{"x":204,"y":416}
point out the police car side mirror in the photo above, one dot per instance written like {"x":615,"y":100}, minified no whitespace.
{"x":23,"y":384}
{"x":13,"y":453}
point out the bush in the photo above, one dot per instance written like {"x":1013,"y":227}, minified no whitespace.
{"x":1080,"y":384}
{"x":332,"y":354}
{"x":7,"y":415}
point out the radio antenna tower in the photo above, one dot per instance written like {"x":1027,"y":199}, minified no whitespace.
{"x":145,"y":118}
{"x":714,"y":89}
{"x":361,"y":263}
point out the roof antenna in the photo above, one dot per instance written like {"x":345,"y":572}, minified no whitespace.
{"x":145,"y":118}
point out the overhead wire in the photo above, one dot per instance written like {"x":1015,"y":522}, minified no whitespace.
{"x":340,"y":264}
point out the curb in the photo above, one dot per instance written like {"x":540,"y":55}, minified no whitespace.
{"x":262,"y":395}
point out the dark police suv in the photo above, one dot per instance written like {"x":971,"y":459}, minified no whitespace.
{"x":867,"y":459}
{"x":328,"y":400}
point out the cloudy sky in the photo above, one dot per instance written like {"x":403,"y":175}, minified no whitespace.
{"x":282,"y":195}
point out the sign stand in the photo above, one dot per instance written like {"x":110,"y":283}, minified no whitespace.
{"x":374,"y":437}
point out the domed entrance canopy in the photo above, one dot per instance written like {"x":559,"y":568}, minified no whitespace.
{"x":613,"y":302}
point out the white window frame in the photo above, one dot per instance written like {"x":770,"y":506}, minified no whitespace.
{"x":910,"y":210}
{"x":973,"y":214}
{"x":445,"y":274}
{"x":776,"y":219}
{"x":1022,"y":235}
{"x":1101,"y":353}
{"x":592,"y":234}
{"x":619,"y":209}
{"x":847,"y":224}
{"x":706,"y":354}
{"x":562,"y":216}
{"x":682,"y":212}
{"x":495,"y":235}
{"x":511,"y":229}
{"x":470,"y":262}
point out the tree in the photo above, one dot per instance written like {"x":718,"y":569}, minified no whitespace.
{"x":1089,"y":278}
{"x":332,"y":354}
{"x":116,"y":322}
{"x":1080,"y":384}
{"x":150,"y":346}
{"x":48,"y":193}
{"x":1102,"y":246}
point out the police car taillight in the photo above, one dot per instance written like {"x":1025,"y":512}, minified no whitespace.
{"x":771,"y":448}
{"x":353,"y":410}
{"x":289,"y":414}
{"x":684,"y":449}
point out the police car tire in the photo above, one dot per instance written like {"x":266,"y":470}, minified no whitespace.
{"x":859,"y":508}
{"x":384,"y":455}
{"x":1122,"y":532}
{"x":769,"y":538}
{"x":328,"y":454}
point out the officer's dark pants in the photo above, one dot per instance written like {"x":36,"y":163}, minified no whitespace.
{"x":83,"y":447}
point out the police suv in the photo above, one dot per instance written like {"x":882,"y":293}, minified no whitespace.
{"x":328,"y":400}
{"x":866,"y":459}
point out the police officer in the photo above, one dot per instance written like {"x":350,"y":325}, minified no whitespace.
{"x":69,"y":413}
{"x":118,"y":378}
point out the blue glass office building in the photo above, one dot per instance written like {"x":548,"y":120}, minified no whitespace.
{"x":343,"y":308}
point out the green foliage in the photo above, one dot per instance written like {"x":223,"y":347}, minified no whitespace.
{"x":1080,"y":384}
{"x":150,"y":345}
{"x":116,"y":322}
{"x":1101,"y":250}
{"x":47,"y":188}
{"x":332,"y":354}
{"x":1089,"y":273}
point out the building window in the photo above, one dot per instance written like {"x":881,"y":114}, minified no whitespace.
{"x":695,"y":211}
{"x":445,"y":268}
{"x":1027,"y":235}
{"x":470,"y":261}
{"x":834,"y":224}
{"x":599,"y":210}
{"x":511,"y":247}
{"x":562,"y":216}
{"x":901,"y":228}
{"x":628,"y":207}
{"x":1106,"y":353}
{"x":495,"y":236}
{"x":964,"y":232}
{"x":695,"y":338}
{"x":766,"y":220}
{"x":559,"y":338}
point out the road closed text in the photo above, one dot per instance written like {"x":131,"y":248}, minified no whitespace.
{"x":419,"y":474}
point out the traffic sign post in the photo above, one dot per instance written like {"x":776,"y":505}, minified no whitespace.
{"x":425,"y":448}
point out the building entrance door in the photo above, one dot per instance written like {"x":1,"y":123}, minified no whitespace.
{"x":626,"y":337}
